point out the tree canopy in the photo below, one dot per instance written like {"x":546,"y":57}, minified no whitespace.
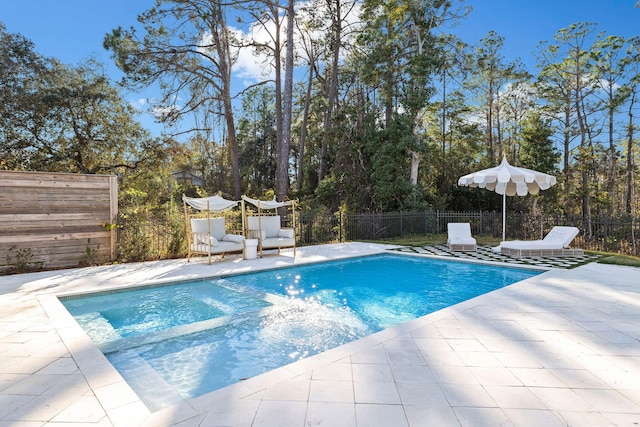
{"x":370,"y":106}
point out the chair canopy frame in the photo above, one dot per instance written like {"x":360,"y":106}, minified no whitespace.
{"x":209,"y":204}
{"x":266,"y":208}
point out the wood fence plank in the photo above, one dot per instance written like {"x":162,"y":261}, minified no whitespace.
{"x":57,"y":218}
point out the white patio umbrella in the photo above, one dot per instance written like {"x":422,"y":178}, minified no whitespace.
{"x":508,"y":180}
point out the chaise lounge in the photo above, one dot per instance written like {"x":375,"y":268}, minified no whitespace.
{"x":460,"y":238}
{"x":555,"y":243}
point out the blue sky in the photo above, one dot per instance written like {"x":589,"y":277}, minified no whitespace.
{"x":69,"y":30}
{"x":524,"y":23}
{"x":73,"y":30}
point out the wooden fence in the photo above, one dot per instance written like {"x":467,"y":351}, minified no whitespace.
{"x":53,"y":220}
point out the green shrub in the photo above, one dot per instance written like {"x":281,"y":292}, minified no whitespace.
{"x":22,"y":261}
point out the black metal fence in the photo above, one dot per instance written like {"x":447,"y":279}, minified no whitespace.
{"x":375,"y":226}
{"x":619,"y":234}
{"x":156,"y":239}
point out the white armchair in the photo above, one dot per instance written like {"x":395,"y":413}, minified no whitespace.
{"x":267,"y":229}
{"x":212,"y":238}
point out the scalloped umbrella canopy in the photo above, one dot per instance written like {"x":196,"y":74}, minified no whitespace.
{"x":509,"y":181}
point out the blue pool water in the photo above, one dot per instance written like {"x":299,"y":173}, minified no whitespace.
{"x":187,"y":339}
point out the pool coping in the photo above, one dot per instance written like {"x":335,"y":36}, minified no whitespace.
{"x":120,"y":404}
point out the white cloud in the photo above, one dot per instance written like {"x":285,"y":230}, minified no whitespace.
{"x":139,"y":104}
{"x":605,"y":85}
{"x":151,"y":105}
{"x":164,"y":111}
{"x":253,"y":67}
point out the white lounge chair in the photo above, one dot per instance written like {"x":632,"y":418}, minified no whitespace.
{"x":555,"y":243}
{"x":212,"y":238}
{"x":267,"y":229}
{"x":460,"y":238}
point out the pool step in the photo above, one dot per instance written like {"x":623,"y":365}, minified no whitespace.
{"x":152,"y":389}
{"x":133,"y":342}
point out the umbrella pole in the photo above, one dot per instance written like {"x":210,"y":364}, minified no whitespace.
{"x":504,"y":216}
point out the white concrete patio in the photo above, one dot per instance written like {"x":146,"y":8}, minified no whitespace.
{"x":561,"y":348}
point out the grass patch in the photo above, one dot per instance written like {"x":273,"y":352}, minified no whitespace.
{"x":416,"y":240}
{"x":433,"y":239}
{"x":617,"y":259}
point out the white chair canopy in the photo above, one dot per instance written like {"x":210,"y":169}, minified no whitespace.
{"x":212,"y":203}
{"x":267,"y":204}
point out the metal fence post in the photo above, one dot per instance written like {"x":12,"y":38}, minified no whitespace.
{"x":606,"y":234}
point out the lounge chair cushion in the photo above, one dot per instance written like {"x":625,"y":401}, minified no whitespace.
{"x":561,"y":234}
{"x":278,"y":242}
{"x":459,"y":236}
{"x":270,"y":225}
{"x":559,"y":237}
{"x":222,"y":247}
{"x":462,"y":240}
{"x":216,"y":227}
{"x":205,"y":239}
{"x":286,"y":232}
{"x":531,"y":244}
{"x":271,"y":235}
{"x":236,"y":238}
{"x":217,"y":241}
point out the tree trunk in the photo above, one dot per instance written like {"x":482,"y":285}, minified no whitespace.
{"x":303,"y":131}
{"x":282,"y":173}
{"x":567,"y":147}
{"x":490,"y":124}
{"x":332,"y":93}
{"x":277,"y":58}
{"x":222,"y":47}
{"x":613,"y":161}
{"x":233,"y":147}
{"x":443,"y":130}
{"x":414,"y":155}
{"x":415,"y":165}
{"x":501,"y":151}
{"x":586,"y":193}
{"x":629,"y":191}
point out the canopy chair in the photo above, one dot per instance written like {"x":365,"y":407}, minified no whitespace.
{"x":265,"y":224}
{"x":206,"y":234}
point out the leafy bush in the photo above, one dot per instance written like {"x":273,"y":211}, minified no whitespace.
{"x":22,"y":261}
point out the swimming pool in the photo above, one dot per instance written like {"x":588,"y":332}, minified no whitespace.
{"x":178,"y":341}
